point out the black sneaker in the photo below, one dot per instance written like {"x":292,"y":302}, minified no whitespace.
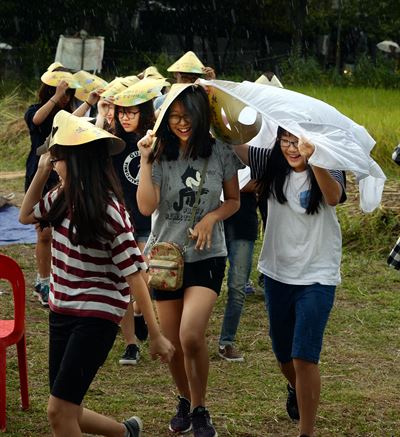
{"x":134,"y":426}
{"x":202,"y":423}
{"x":42,"y":293}
{"x":291,"y":404}
{"x":131,"y":355}
{"x":181,"y":422}
{"x":141,"y":330}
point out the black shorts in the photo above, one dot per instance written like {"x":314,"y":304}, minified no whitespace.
{"x":78,"y":347}
{"x":207,"y":273}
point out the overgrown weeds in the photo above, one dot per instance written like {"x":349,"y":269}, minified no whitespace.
{"x":366,"y":72}
{"x":14,"y":135}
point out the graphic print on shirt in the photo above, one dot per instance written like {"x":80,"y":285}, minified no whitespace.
{"x":187,"y":195}
{"x":305,"y":198}
{"x":127,"y":168}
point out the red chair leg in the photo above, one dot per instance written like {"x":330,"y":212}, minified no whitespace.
{"x":23,"y":372}
{"x":2,"y":389}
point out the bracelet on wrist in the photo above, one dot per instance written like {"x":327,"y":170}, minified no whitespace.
{"x":53,"y":101}
{"x":88,"y":104}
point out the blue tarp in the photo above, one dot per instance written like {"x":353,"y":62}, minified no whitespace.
{"x":11,"y":230}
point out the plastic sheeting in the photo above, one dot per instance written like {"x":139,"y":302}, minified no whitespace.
{"x":340,"y":143}
{"x":11,"y":230}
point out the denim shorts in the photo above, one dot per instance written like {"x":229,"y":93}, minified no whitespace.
{"x":78,"y":347}
{"x":298,"y":315}
{"x":207,"y":273}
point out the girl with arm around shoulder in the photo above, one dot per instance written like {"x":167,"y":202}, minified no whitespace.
{"x":300,"y":260}
{"x":170,"y":175}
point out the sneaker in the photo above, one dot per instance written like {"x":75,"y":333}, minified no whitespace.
{"x":42,"y":293}
{"x":249,"y":288}
{"x":291,"y":404}
{"x":134,"y":426}
{"x":131,"y":355}
{"x":181,"y":422}
{"x":202,"y":423}
{"x":141,"y":330}
{"x":229,"y":353}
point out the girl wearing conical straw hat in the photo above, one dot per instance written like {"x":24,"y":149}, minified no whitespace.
{"x":170,"y":177}
{"x":134,"y":115}
{"x":55,"y":93}
{"x":96,"y":266}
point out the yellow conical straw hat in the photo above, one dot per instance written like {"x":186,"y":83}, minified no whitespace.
{"x":116,"y":88}
{"x":54,"y":65}
{"x":188,"y":63}
{"x":69,"y":130}
{"x":53,"y":78}
{"x":89,"y":83}
{"x":112,"y":83}
{"x":263,"y":80}
{"x":232,"y":121}
{"x":119,"y":84}
{"x":173,"y":93}
{"x":130,"y":80}
{"x":139,"y":92}
{"x":152,"y":73}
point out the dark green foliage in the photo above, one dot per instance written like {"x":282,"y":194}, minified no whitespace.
{"x":235,"y":37}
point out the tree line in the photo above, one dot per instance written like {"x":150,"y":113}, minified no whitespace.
{"x":222,"y":32}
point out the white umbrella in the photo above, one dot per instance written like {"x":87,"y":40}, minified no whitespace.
{"x":340,"y":143}
{"x":388,"y":46}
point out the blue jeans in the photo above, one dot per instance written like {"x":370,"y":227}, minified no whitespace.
{"x":298,"y":315}
{"x":240,"y":256}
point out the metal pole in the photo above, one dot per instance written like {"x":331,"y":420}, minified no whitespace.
{"x":83,"y":53}
{"x":83,"y":35}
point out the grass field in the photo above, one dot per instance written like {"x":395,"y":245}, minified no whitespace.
{"x":376,"y":109}
{"x":360,"y":363}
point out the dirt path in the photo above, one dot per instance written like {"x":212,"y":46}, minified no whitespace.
{"x":390,"y":195}
{"x":11,"y":174}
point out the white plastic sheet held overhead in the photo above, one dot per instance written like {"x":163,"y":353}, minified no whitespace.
{"x":340,"y":143}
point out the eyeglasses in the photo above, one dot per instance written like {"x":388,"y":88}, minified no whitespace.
{"x":130,"y":114}
{"x":54,"y":160}
{"x":176,"y":119}
{"x":285,"y":143}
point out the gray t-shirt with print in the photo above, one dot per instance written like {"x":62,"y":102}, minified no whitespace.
{"x":179,"y":181}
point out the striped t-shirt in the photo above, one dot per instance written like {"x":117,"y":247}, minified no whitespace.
{"x":89,"y":281}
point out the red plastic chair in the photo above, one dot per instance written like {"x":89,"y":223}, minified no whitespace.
{"x":13,"y":332}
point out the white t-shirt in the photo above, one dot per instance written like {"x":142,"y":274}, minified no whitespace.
{"x":299,"y":248}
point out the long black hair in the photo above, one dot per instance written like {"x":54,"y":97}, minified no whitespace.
{"x":195,"y":101}
{"x":271,"y":182}
{"x":46,"y":92}
{"x":146,"y":119}
{"x":90,"y":181}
